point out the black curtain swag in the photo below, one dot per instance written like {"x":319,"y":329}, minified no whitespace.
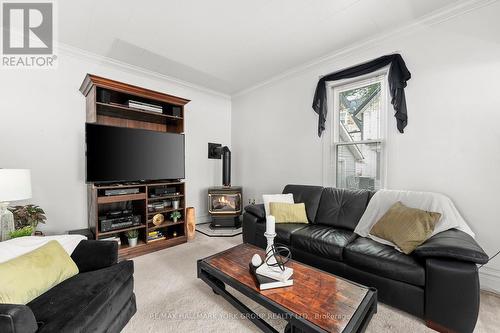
{"x":398,"y":75}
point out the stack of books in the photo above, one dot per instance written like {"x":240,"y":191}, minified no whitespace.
{"x":271,"y":277}
{"x":155,"y":236}
{"x":145,"y":106}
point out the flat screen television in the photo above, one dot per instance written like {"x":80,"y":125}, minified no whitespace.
{"x":117,"y":154}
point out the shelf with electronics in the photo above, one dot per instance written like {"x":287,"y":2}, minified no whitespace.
{"x":166,"y":212}
{"x":157,"y":206}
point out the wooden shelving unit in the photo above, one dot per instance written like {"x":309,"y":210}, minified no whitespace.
{"x":107,"y":104}
{"x":99,"y":204}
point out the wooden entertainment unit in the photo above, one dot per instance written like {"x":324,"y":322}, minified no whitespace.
{"x":107,"y":104}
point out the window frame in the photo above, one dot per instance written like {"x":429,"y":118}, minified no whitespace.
{"x":330,"y":138}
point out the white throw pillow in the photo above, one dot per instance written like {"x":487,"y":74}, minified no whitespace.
{"x":267,"y":198}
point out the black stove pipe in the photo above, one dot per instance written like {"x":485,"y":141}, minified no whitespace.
{"x":226,"y":165}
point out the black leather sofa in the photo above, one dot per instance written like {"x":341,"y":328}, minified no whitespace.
{"x":98,"y":299}
{"x":438,"y":282}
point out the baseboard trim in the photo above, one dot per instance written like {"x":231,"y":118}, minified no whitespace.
{"x":490,"y":279}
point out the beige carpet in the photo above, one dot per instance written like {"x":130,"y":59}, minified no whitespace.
{"x":171,"y":299}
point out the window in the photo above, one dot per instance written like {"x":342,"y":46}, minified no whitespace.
{"x":356,"y":143}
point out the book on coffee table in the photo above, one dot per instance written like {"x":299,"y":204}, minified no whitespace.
{"x":275,"y":273}
{"x":264,"y":282}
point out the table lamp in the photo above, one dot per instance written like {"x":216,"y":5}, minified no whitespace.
{"x":15,"y":184}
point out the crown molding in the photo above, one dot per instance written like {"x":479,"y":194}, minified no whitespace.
{"x":434,"y":18}
{"x":92,"y":57}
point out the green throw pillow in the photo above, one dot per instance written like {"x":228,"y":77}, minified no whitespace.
{"x":26,"y":277}
{"x":288,"y":213}
{"x":406,"y":227}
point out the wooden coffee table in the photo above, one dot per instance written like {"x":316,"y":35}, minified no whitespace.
{"x":317,"y":301}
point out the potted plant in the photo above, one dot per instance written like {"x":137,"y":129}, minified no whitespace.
{"x":132,"y":236}
{"x":174,"y":216}
{"x":28,"y":216}
{"x":21,"y":232}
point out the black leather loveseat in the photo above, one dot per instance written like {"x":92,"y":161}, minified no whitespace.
{"x":99,"y":299}
{"x":437,"y":282}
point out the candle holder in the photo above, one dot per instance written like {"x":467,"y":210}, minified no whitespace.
{"x":271,"y":267}
{"x":270,"y":259}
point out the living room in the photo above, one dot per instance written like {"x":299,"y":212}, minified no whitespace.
{"x":157,"y":150}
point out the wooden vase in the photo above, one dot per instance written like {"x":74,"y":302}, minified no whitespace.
{"x":191,"y":224}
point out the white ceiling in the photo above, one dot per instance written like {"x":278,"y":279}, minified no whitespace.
{"x":229,"y":45}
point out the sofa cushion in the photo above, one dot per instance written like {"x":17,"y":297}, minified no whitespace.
{"x":324,"y":241}
{"x":384,"y":260}
{"x":342,"y":208}
{"x":309,"y":195}
{"x":284,"y":231}
{"x":72,"y":305}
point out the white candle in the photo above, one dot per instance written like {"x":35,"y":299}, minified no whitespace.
{"x":270,"y":222}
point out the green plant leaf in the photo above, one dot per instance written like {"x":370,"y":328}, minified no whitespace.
{"x":132,"y":233}
{"x":175,"y":215}
{"x":25,"y":231}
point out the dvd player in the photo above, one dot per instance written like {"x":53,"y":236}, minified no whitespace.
{"x":121,"y":191}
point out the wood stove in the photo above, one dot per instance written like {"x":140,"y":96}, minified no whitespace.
{"x":224,"y":202}
{"x":224,"y":205}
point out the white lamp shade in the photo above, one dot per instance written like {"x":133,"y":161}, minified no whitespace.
{"x":15,"y":184}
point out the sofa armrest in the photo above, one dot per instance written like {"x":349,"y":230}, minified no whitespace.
{"x":254,"y":224}
{"x":15,"y":318}
{"x":452,"y":244}
{"x":451,"y":295}
{"x":256,"y":210}
{"x":91,"y":255}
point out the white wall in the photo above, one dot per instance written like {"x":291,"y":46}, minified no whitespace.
{"x":42,"y":128}
{"x":451,"y":144}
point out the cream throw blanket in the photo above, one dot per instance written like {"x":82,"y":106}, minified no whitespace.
{"x":17,"y":246}
{"x":382,"y":200}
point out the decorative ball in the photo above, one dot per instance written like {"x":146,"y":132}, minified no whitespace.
{"x":158,"y":219}
{"x":256,"y":260}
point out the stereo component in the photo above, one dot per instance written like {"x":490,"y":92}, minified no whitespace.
{"x":110,"y":224}
{"x":163,"y":191}
{"x":121,"y":191}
